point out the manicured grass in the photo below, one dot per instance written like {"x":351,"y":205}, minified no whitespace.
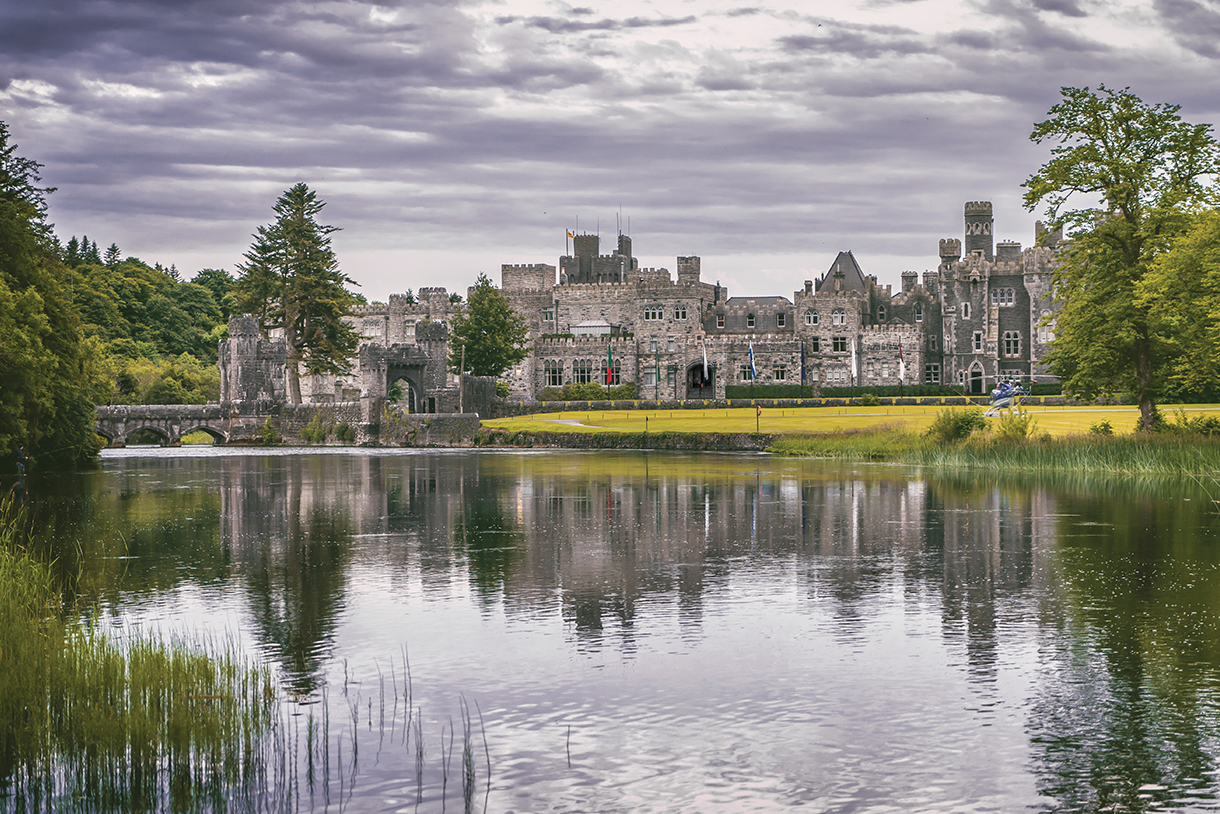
{"x":1058,"y":421}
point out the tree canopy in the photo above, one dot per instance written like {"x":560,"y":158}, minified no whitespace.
{"x":1124,"y":177}
{"x":291,"y":281}
{"x":46,"y":365}
{"x":492,"y":334}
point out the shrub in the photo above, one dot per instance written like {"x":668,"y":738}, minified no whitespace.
{"x":315,"y":431}
{"x":1103,"y":427}
{"x":1199,"y":425}
{"x":869,"y":400}
{"x":345,"y":432}
{"x":955,"y":425}
{"x":1016,"y":426}
{"x":270,"y":437}
{"x":502,"y":389}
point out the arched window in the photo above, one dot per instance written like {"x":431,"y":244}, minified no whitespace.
{"x":811,"y":317}
{"x":1012,"y":343}
{"x":881,"y":313}
{"x":749,"y":320}
{"x":919,"y":313}
{"x":838,"y":317}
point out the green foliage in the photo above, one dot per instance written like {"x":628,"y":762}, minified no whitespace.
{"x":491,"y":333}
{"x":220,"y":284}
{"x":954,"y":425}
{"x":316,"y":430}
{"x":1103,"y":427}
{"x":137,"y":379}
{"x":291,"y":280}
{"x":1015,"y":426}
{"x":48,"y":373}
{"x":345,"y":432}
{"x":869,"y":400}
{"x":502,"y":389}
{"x":767,"y":391}
{"x":1145,"y":165}
{"x":592,"y":391}
{"x":269,"y":436}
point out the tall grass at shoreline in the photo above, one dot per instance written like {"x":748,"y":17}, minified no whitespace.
{"x":92,"y":723}
{"x":1158,"y":455}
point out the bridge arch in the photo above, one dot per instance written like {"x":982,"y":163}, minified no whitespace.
{"x":147,"y":426}
{"x":218,"y":436}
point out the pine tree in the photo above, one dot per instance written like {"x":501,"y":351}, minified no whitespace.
{"x":291,"y":281}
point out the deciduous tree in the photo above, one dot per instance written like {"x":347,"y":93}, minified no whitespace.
{"x":492,"y":334}
{"x":1140,"y":170}
{"x":291,"y":280}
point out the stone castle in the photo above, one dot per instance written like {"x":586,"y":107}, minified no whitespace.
{"x":981,"y":316}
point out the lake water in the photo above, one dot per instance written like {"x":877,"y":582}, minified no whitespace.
{"x":685,"y":633}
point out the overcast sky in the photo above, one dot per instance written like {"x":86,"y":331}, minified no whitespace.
{"x":450,"y":137}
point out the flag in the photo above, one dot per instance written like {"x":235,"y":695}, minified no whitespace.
{"x":705,"y":376}
{"x":570,"y":235}
{"x":902,"y":365}
{"x":753,"y":372}
{"x":609,"y":365}
{"x":855,"y":368}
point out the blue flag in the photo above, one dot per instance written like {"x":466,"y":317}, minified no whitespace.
{"x":753,"y":372}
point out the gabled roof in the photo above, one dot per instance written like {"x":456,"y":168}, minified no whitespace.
{"x":853,"y":277}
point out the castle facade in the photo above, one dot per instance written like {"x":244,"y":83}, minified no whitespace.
{"x":981,"y":316}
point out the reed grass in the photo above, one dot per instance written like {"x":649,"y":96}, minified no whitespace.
{"x":89,"y":722}
{"x":1179,"y":455}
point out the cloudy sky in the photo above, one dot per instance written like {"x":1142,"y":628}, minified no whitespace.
{"x":450,"y":137}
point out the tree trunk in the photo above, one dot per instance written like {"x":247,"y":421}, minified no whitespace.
{"x":1143,"y":384}
{"x":294,"y":374}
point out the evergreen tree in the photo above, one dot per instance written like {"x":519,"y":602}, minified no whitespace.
{"x":492,"y":334}
{"x":113,"y":256}
{"x":291,"y":281}
{"x":1145,"y":165}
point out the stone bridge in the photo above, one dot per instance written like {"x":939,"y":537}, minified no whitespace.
{"x":169,"y":421}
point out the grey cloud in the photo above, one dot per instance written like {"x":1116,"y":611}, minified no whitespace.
{"x":560,"y":25}
{"x":1193,"y":24}
{"x":1068,"y":8}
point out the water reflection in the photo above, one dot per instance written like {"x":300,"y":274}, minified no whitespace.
{"x":837,"y":607}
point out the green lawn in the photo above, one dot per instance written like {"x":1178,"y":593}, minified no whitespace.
{"x":1058,"y":421}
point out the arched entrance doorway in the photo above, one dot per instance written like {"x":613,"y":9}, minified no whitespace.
{"x":403,"y":395}
{"x":699,"y":386}
{"x":976,"y":379}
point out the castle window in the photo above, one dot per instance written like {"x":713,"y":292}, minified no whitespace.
{"x":720,"y":320}
{"x":548,"y":314}
{"x":838,"y":317}
{"x":780,"y":320}
{"x":839,"y":344}
{"x":582,"y":371}
{"x":919,"y":313}
{"x":552,"y":373}
{"x":749,"y":320}
{"x":679,"y":312}
{"x":931,"y":374}
{"x":932,"y":341}
{"x":652,"y":346}
{"x":885,"y":370}
{"x":744,"y":374}
{"x":670,"y":346}
{"x":978,"y":341}
{"x":881,"y":313}
{"x":815,"y":344}
{"x":1013,"y":376}
{"x":1012,"y":343}
{"x":654,"y":312}
{"x":779,"y":373}
{"x":1007,"y":296}
{"x":811,"y":317}
{"x":965,"y":310}
{"x":649,"y":377}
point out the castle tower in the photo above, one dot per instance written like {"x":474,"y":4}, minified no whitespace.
{"x":950,"y":250}
{"x":979,"y":228}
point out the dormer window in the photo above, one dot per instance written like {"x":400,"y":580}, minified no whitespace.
{"x":749,"y":320}
{"x":720,"y":320}
{"x":781,"y":319}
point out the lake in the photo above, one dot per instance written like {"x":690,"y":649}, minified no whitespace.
{"x":655,"y":632}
